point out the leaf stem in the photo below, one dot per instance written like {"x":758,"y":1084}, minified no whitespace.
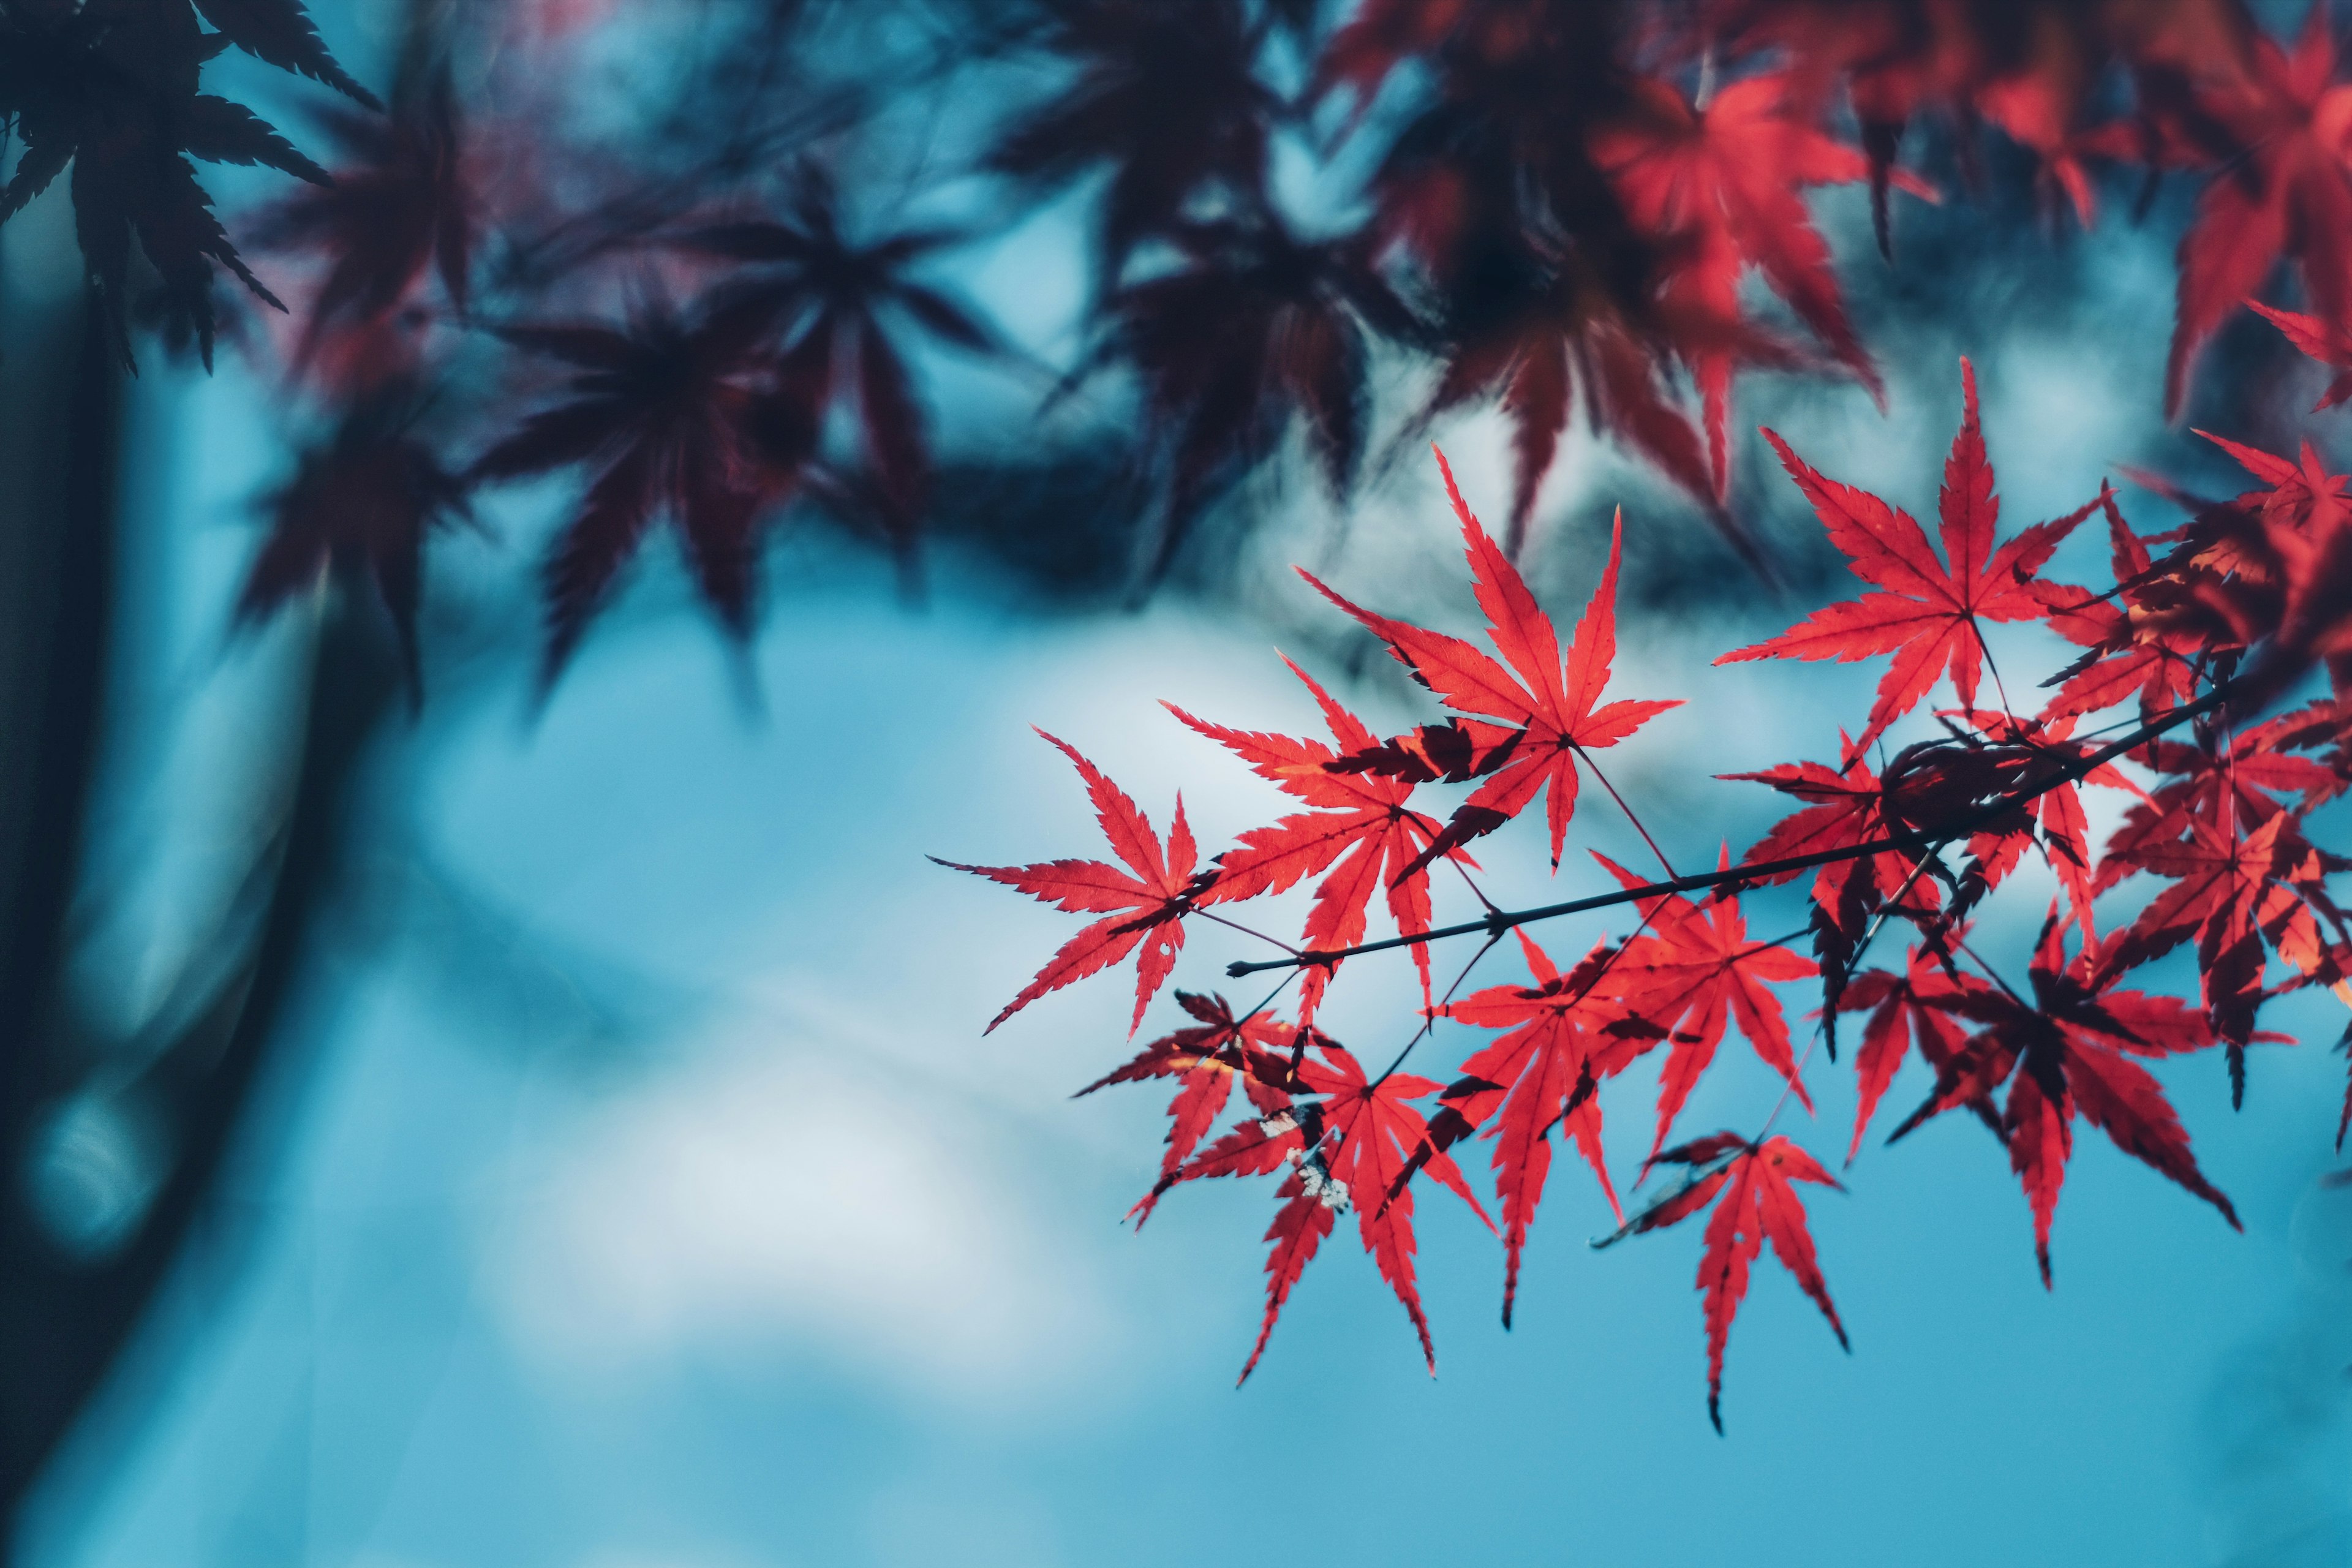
{"x":1429,"y":1019}
{"x":1246,"y":930}
{"x":1582,"y":756}
{"x":1821,"y":1030}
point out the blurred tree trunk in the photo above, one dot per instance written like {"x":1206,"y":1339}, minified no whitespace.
{"x":66,"y":1314}
{"x":60,"y":417}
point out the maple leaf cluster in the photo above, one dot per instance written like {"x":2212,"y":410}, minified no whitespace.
{"x":1569,"y":198}
{"x":707,"y":416}
{"x":1569,"y":206}
{"x":2192,"y":645}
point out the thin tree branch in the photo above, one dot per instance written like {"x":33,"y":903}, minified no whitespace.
{"x":1497,"y":923}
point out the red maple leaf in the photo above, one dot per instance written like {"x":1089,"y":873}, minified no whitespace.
{"x":1689,"y":974}
{"x":1849,"y":806}
{"x":2225,"y":779}
{"x":1917,"y":1004}
{"x":2267,"y":573}
{"x":2233,"y":890}
{"x":1757,"y":1203}
{"x":2271,"y":571}
{"x":1928,"y":613}
{"x":1726,"y":182}
{"x":2126,"y":655}
{"x":1552,"y":704}
{"x":2016,"y":757}
{"x":1142,"y":905}
{"x":2067,"y":1053}
{"x":1544,"y":1073}
{"x":2312,"y":562}
{"x":1356,"y":1144}
{"x":2321,"y":340}
{"x":1207,"y":1059}
{"x":2285,"y":194}
{"x":1361,"y":831}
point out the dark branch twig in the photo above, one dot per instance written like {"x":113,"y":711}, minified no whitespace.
{"x":1495,"y":923}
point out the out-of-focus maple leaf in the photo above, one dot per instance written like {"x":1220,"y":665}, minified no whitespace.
{"x":111,"y":87}
{"x":2067,"y":1053}
{"x":832,"y":299}
{"x":1495,"y":170}
{"x":1169,"y":97}
{"x":1142,"y":905}
{"x":1206,"y":1060}
{"x":1928,"y":614}
{"x":1727,"y":181}
{"x":1558,"y":334}
{"x":1548,"y":293}
{"x":361,"y":503}
{"x":2126,"y":655}
{"x":2286,"y":193}
{"x":2042,"y":118}
{"x":2321,"y":340}
{"x":1361,"y":831}
{"x":1553,"y":707}
{"x":1757,"y":1203}
{"x":1689,"y":974}
{"x":1545,"y":1072}
{"x":1250,"y":325}
{"x":2030,"y":67}
{"x":687,"y":417}
{"x":2268,"y":573}
{"x":400,"y":206}
{"x":1377,"y":38}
